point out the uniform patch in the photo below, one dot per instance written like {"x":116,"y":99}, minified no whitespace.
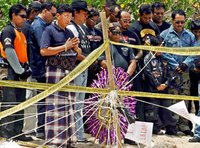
{"x":7,"y":41}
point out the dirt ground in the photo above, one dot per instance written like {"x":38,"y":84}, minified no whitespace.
{"x":161,"y":141}
{"x":158,"y":141}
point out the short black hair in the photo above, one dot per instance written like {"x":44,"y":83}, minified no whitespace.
{"x":16,"y":9}
{"x":175,"y":12}
{"x":157,"y":5}
{"x":33,"y":6}
{"x":109,"y":3}
{"x":112,"y":9}
{"x":47,"y":5}
{"x":195,"y":25}
{"x":64,"y":8}
{"x":93,"y":12}
{"x":145,"y":9}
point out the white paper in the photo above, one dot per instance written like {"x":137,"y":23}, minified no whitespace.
{"x":195,"y":119}
{"x":10,"y":144}
{"x":140,"y":132}
{"x":129,"y":134}
{"x":180,"y":109}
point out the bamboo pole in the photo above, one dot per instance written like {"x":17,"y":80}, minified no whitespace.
{"x":110,"y":75}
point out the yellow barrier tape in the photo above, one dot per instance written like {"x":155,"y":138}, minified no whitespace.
{"x":85,"y":64}
{"x":157,"y":95}
{"x":173,"y":50}
{"x":68,"y":88}
{"x":44,"y":86}
{"x":73,"y":74}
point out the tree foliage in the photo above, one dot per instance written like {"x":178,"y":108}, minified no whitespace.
{"x":191,"y":7}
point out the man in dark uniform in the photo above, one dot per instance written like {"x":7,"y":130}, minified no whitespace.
{"x":15,"y":53}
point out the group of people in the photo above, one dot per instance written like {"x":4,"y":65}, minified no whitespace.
{"x":46,"y":42}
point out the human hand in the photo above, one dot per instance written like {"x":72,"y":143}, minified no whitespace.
{"x":71,"y":43}
{"x":27,"y":72}
{"x":161,"y":87}
{"x":183,"y":67}
{"x":78,"y":50}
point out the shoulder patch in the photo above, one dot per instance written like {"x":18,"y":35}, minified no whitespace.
{"x":7,"y":41}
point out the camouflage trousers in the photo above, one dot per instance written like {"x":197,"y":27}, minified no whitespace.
{"x":182,"y":123}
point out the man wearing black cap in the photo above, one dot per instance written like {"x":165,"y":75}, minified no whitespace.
{"x":80,"y":14}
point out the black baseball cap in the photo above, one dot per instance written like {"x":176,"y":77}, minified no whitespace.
{"x":79,"y":5}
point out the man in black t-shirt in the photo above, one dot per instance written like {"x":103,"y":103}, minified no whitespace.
{"x":144,"y":27}
{"x":129,"y":36}
{"x":158,"y":15}
{"x":80,"y":14}
{"x":121,"y":56}
{"x":95,"y":39}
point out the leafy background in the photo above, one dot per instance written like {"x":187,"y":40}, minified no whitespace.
{"x":191,"y":7}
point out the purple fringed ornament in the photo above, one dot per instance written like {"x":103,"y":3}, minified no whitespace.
{"x":100,"y":124}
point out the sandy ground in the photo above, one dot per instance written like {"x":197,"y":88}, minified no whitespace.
{"x":162,"y":141}
{"x":158,"y":141}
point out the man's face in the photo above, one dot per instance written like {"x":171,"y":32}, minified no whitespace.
{"x":158,"y":15}
{"x":81,"y":16}
{"x":115,"y":34}
{"x":92,"y":21}
{"x":114,"y":15}
{"x":64,"y":18}
{"x":33,"y":14}
{"x":107,"y":10}
{"x":196,"y":32}
{"x":125,"y":20}
{"x":50,"y":14}
{"x":178,"y":23}
{"x":19,"y":18}
{"x":146,"y":18}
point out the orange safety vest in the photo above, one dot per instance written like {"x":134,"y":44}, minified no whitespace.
{"x":20,"y":47}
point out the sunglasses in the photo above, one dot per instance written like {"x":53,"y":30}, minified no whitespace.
{"x":179,"y":22}
{"x":126,"y":21}
{"x":22,"y":15}
{"x":115,"y":32}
